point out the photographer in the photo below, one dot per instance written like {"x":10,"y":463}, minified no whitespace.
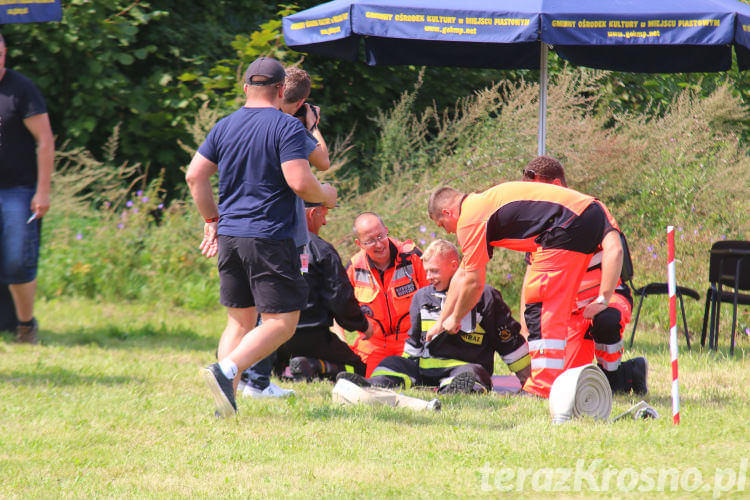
{"x":297,"y":91}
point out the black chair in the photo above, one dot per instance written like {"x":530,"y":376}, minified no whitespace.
{"x":729,"y":266}
{"x":652,"y":289}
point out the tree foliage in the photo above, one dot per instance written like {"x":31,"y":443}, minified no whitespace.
{"x":148,"y":67}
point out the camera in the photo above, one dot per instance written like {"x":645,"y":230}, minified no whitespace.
{"x":302,"y":112}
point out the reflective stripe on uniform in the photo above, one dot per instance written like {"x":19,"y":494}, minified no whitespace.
{"x":541,"y":344}
{"x":410,"y":350}
{"x":427,"y":363}
{"x":519,"y":365}
{"x":362,"y":276}
{"x":427,"y":324}
{"x":555,"y":364}
{"x":516,"y":355}
{"x":403,"y":272}
{"x":349,"y":368}
{"x":388,"y":373}
{"x":610,"y":366}
{"x":609,"y":348}
{"x":596,"y":260}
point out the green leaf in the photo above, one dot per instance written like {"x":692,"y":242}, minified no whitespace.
{"x":125,"y":59}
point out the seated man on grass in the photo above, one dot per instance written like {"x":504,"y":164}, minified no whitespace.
{"x":455,"y":363}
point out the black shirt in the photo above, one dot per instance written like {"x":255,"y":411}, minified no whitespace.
{"x":19,"y":99}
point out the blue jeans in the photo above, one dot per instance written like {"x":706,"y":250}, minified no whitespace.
{"x":259,"y":375}
{"x":19,"y":242}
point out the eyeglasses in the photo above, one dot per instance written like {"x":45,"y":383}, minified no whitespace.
{"x":375,"y":240}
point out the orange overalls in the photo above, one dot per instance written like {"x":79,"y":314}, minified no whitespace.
{"x":386,"y":301}
{"x":604,"y":339}
{"x":563,"y":228}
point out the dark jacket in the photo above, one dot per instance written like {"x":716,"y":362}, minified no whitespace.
{"x":331,"y":294}
{"x":488,"y":328}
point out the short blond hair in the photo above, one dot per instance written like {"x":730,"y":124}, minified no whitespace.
{"x":440,"y":247}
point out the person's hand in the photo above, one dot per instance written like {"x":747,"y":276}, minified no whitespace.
{"x":593,"y":309}
{"x":451,"y":325}
{"x":40,"y":204}
{"x":210,"y":245}
{"x":330,"y":195}
{"x":312,"y":116}
{"x":433,"y":332}
{"x":370,"y":330}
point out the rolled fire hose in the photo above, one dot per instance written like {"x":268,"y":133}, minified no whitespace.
{"x":349,"y":393}
{"x":582,"y":391}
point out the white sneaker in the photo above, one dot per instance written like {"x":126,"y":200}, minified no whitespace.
{"x":272,"y":391}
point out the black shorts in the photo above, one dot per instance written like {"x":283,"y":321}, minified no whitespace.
{"x":261,"y":272}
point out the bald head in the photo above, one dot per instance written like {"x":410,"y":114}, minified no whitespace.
{"x":367,"y":220}
{"x":372,"y":237}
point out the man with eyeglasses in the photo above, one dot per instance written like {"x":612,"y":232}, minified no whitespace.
{"x":563,"y":227}
{"x":385,"y":274}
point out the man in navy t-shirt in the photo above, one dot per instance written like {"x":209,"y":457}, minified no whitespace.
{"x":261,"y":156}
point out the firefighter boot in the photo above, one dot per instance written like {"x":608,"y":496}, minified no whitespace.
{"x":630,"y":375}
{"x":304,"y":368}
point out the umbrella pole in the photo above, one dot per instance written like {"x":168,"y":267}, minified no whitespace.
{"x":542,"y":99}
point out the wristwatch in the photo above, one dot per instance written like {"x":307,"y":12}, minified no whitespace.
{"x":601,"y":300}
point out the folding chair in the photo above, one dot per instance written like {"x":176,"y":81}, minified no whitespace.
{"x":652,"y":289}
{"x":729,"y":265}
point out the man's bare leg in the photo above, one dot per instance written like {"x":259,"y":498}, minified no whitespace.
{"x":23,"y":299}
{"x":274,"y":330}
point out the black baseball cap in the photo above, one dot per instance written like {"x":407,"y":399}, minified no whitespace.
{"x":267,"y":67}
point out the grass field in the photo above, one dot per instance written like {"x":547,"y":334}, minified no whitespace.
{"x":111,"y":405}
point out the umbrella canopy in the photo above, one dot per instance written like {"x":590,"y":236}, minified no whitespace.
{"x":30,"y":12}
{"x":664,"y":36}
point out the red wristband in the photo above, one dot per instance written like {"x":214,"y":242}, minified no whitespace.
{"x":212,"y":219}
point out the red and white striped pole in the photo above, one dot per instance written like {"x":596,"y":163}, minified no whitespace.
{"x":673,"y":325}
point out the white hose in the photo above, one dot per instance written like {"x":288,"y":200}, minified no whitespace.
{"x":580,"y":391}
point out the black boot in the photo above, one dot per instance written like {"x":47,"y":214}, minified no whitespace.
{"x":304,"y":368}
{"x":630,"y":375}
{"x":618,"y":379}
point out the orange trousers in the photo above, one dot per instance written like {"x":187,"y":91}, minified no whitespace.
{"x":373,"y":350}
{"x":549,"y":295}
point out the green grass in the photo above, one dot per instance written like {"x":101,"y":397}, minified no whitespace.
{"x":111,"y":405}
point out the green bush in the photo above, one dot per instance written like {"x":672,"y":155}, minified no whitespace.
{"x":112,"y":238}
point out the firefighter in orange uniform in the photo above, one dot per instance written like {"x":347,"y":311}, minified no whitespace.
{"x":385,"y":274}
{"x":600,"y":337}
{"x":563,"y":227}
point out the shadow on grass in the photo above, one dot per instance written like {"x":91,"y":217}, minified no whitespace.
{"x":124,"y":337}
{"x":59,"y":377}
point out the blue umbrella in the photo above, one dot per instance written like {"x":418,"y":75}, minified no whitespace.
{"x":652,"y":36}
{"x":30,"y":11}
